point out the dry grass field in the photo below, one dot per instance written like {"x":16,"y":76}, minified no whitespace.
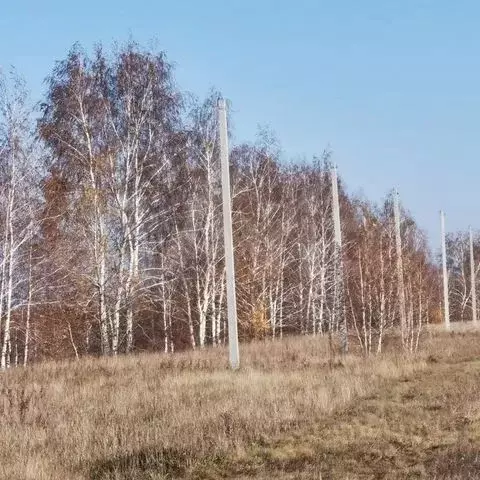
{"x":288,"y":413}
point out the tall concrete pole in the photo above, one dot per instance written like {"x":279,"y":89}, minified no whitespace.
{"x":228,"y":238}
{"x":339,"y":306}
{"x":472,"y":280}
{"x":446,"y":308}
{"x":400,"y":280}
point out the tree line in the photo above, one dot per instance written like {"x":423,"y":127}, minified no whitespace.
{"x":112,"y":236}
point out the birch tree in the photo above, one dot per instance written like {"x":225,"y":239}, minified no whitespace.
{"x":108,"y":123}
{"x":18,"y":165}
{"x":204,"y":223}
{"x":315,"y":249}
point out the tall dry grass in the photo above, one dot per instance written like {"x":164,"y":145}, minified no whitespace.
{"x":157,"y":416}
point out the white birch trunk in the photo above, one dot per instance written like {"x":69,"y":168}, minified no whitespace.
{"x":400,"y":280}
{"x":473,"y":280}
{"x":9,"y":254}
{"x":29,"y":308}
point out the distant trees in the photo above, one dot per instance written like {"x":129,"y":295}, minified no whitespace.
{"x":459,"y":272}
{"x":111,"y":228}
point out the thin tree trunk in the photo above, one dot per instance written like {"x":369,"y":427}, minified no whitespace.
{"x":400,"y":280}
{"x":382,"y":299}
{"x":29,"y":306}
{"x":5,"y":360}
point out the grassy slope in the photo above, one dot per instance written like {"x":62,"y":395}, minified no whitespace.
{"x":286,"y":414}
{"x":426,"y":425}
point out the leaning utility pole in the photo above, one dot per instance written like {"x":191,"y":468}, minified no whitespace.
{"x":339,"y":305}
{"x":446,"y":310}
{"x":400,"y":280}
{"x":472,"y":280}
{"x":228,"y":237}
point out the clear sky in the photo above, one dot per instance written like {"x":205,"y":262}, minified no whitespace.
{"x":393,"y":86}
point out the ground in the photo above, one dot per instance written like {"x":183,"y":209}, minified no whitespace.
{"x":291,"y":412}
{"x":426,"y":425}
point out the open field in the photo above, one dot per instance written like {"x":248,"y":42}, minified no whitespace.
{"x":287,"y":413}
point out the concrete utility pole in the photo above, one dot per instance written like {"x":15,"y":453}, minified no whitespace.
{"x":339,"y":306}
{"x":228,"y":237}
{"x":472,"y":280}
{"x":446,"y":308}
{"x":400,"y":280}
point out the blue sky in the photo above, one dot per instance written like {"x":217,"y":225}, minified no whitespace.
{"x":392,"y":86}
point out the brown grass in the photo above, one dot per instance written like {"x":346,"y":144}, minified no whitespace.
{"x":187,"y":415}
